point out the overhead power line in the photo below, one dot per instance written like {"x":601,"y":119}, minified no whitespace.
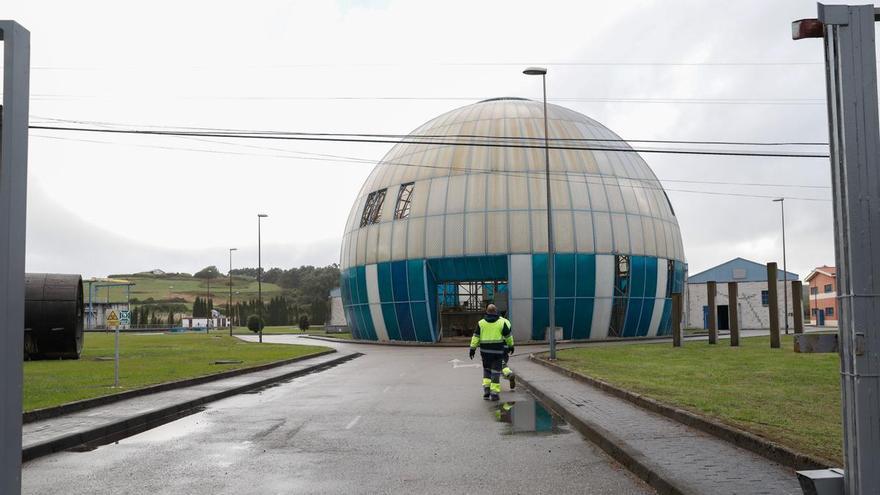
{"x":567,"y":177}
{"x":655,"y":100}
{"x":442,"y":136}
{"x":430,"y":142}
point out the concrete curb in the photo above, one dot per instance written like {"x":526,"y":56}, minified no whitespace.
{"x":156,"y":416}
{"x":741,"y":438}
{"x":55,"y":411}
{"x":615,"y":447}
{"x":401,"y":343}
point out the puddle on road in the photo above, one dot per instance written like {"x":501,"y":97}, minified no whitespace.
{"x":527,"y":415}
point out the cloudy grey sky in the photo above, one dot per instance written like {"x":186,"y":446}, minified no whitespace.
{"x":101,"y":204}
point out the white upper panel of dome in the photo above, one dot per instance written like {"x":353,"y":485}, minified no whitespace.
{"x":471,"y":200}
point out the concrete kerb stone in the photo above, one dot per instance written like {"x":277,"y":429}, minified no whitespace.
{"x":746,"y":440}
{"x":635,"y":462}
{"x":55,"y":411}
{"x":154,"y":416}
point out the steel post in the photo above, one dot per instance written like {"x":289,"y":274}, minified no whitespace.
{"x":851,"y":77}
{"x":13,"y":207}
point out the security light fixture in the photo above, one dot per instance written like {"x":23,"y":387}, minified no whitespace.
{"x":535,"y":71}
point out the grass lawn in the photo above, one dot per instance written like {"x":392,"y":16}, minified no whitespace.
{"x":144,"y":360}
{"x":790,"y":398}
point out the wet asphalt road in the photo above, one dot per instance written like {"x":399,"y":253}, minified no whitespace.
{"x":396,"y":420}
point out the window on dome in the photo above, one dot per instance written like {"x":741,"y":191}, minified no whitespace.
{"x":373,"y":209}
{"x":404,"y":201}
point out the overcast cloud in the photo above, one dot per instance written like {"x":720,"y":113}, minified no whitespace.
{"x":101,"y":204}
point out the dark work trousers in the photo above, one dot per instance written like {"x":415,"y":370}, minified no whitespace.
{"x":492,"y":370}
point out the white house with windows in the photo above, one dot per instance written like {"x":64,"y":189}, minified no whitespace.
{"x":753,"y":301}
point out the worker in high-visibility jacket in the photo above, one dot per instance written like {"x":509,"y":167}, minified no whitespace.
{"x":506,"y":372}
{"x":493,"y":337}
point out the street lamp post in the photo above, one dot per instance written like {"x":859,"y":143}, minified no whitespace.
{"x":260,"y":216}
{"x":781,"y":202}
{"x":551,"y":252}
{"x":229,"y":307}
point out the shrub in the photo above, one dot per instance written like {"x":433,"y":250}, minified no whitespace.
{"x":304,"y":322}
{"x":254,"y":323}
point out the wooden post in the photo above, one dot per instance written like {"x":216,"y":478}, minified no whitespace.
{"x":676,"y":320}
{"x":713,"y":313}
{"x":796,"y":301}
{"x":773,"y":304}
{"x":733,"y":313}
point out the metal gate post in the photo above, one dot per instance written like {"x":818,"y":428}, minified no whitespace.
{"x":851,"y":81}
{"x":855,"y":175}
{"x":13,"y":195}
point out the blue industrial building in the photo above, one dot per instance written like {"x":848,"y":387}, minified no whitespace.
{"x":440,"y":230}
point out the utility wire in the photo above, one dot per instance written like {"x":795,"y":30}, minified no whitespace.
{"x":648,"y":184}
{"x":415,"y":140}
{"x":446,"y":136}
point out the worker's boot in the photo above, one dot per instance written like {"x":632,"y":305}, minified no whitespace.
{"x":512,"y":379}
{"x":494,"y":397}
{"x":486,"y":393}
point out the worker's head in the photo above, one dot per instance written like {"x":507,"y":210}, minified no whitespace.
{"x":491,"y":310}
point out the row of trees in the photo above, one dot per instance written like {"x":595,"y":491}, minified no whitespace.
{"x":202,"y":307}
{"x":279,"y":311}
{"x":307,"y":287}
{"x":145,"y":315}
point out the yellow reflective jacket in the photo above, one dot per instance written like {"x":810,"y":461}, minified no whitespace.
{"x":492,"y":335}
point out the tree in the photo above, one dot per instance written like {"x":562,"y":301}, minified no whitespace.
{"x":254,"y":323}
{"x":207,"y":272}
{"x":171,"y":318}
{"x":304,"y":322}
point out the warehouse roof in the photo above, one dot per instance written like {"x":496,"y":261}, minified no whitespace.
{"x":737,"y":270}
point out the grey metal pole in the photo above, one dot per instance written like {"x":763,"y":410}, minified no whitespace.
{"x":229,"y":308}
{"x":13,"y":207}
{"x":551,"y":251}
{"x":260,"y":216}
{"x":259,"y":279}
{"x":781,"y":202}
{"x":208,"y":319}
{"x":854,"y":128}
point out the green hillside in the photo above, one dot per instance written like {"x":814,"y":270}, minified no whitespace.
{"x":184,"y":289}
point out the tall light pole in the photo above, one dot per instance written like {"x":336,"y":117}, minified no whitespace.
{"x":260,"y":216}
{"x":551,"y":252}
{"x":229,"y":308}
{"x":781,"y":202}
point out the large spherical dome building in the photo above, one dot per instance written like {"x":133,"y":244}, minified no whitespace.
{"x":440,"y":230}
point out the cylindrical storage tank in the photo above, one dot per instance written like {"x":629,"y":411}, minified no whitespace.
{"x":53,"y":316}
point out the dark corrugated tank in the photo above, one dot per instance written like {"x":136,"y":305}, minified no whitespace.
{"x":53,"y":316}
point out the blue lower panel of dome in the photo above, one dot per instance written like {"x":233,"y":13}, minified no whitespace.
{"x":407,"y":305}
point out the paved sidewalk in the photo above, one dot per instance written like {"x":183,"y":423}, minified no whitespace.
{"x":51,"y":435}
{"x":679,"y":458}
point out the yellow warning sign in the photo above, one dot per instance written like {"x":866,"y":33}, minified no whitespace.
{"x":112,"y":319}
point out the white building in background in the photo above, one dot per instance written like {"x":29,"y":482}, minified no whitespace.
{"x":753,"y":303}
{"x":215,"y":321}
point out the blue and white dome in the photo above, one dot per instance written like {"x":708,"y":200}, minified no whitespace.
{"x":430,"y":216}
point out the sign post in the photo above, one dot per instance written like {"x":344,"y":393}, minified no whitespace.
{"x":113,"y":322}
